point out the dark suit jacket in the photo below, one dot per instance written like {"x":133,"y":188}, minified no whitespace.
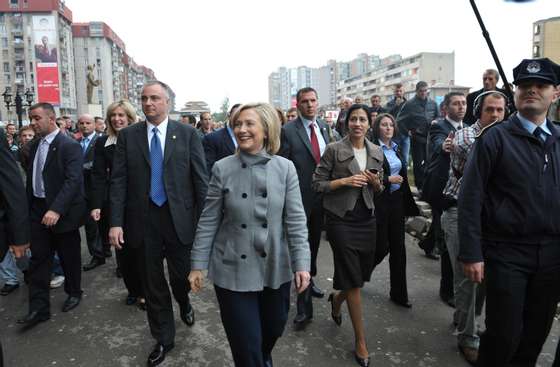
{"x":88,"y":163}
{"x":295,"y":146}
{"x":410,"y":209}
{"x":101,"y":173}
{"x":185,"y":180}
{"x":64,"y":181}
{"x":14,"y":217}
{"x":217,"y":145}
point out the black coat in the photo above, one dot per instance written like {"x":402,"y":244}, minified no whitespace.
{"x":217,"y":145}
{"x":88,"y":164}
{"x":185,"y":180}
{"x":382,"y":199}
{"x":101,"y":173}
{"x":14,"y":216}
{"x":510,"y":189}
{"x":296,"y":147}
{"x":64,"y":181}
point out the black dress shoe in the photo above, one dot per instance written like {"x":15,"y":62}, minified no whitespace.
{"x":405,"y":304}
{"x":363,"y":362}
{"x":301,"y":321}
{"x":32,"y":319}
{"x":316,"y":291}
{"x":432,"y":255}
{"x":158,"y":354}
{"x":187,"y":315}
{"x":337,"y":319}
{"x":71,"y":303}
{"x":94,"y":263}
{"x":8,"y":288}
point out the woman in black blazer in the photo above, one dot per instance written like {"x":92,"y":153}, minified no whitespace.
{"x":391,"y":207}
{"x":119,"y":115}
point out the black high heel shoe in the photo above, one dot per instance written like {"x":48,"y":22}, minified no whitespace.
{"x":337,"y":319}
{"x":363,"y":362}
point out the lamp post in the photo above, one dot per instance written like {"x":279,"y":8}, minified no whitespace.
{"x":18,"y":101}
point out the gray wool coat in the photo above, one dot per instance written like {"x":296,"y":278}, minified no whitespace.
{"x":252,"y":232}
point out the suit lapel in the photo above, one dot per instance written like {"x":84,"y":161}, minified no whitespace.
{"x":302,"y":132}
{"x":347,"y":152}
{"x":142,"y":138}
{"x":170,"y":141}
{"x":227,"y":138}
{"x":324,"y":131}
{"x":53,"y":147}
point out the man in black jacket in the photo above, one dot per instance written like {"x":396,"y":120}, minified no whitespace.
{"x":303,"y":141}
{"x":490,"y":79}
{"x":509,"y":232}
{"x":55,"y":191}
{"x":220,"y":143}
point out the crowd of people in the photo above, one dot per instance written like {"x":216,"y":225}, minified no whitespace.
{"x":245,"y":205}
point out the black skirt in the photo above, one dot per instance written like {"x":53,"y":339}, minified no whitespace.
{"x":352,"y":240}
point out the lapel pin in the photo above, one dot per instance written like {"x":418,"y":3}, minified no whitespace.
{"x":174,"y":137}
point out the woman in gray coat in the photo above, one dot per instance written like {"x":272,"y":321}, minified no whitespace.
{"x":252,"y":237}
{"x":349,"y":176}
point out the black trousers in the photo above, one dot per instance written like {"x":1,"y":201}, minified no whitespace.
{"x":390,"y":240}
{"x":418,"y":152}
{"x":104,"y":225}
{"x":93,"y":240}
{"x":130,"y":261}
{"x":43,"y":245}
{"x":161,"y":242}
{"x":314,"y":227}
{"x":253,"y":322}
{"x":522,"y":293}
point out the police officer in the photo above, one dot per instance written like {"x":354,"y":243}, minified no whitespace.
{"x":509,"y":230}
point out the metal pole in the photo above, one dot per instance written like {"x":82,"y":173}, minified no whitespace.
{"x":486,"y":36}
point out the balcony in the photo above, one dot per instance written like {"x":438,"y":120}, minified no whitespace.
{"x":17,"y":32}
{"x":19,"y":57}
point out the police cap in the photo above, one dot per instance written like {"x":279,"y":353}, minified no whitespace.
{"x":543,"y":70}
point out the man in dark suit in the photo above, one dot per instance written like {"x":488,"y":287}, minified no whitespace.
{"x":14,"y":219}
{"x":157,"y":192}
{"x":86,"y":126}
{"x":303,"y":141}
{"x":220,"y":143}
{"x":490,"y":79}
{"x":440,"y":144}
{"x":57,"y":208}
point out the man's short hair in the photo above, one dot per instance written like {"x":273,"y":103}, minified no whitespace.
{"x":98,"y":118}
{"x":398,"y":85}
{"x":375,"y":95}
{"x":493,"y":71}
{"x":447,"y":99}
{"x":421,"y":84}
{"x":292,"y":109}
{"x":164,"y":86}
{"x":45,"y":106}
{"x":25,"y":128}
{"x":303,"y":91}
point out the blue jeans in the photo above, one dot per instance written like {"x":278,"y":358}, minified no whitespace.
{"x":403,"y":141}
{"x":8,"y":269}
{"x":56,"y":267}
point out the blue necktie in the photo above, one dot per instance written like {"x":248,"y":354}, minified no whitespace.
{"x":157,"y":190}
{"x":84,"y":144}
{"x":539,"y":133}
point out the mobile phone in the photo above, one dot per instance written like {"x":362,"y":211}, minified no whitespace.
{"x":373,"y":170}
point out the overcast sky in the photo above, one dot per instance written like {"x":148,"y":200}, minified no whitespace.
{"x":209,"y":49}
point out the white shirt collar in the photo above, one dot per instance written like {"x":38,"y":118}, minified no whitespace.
{"x":456,"y":124}
{"x":162,"y":127}
{"x":50,"y":137}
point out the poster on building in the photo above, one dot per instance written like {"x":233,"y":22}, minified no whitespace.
{"x":46,"y":59}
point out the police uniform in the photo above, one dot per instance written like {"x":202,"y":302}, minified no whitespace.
{"x":509,"y":207}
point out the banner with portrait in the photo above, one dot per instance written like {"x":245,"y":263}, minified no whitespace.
{"x":46,"y":59}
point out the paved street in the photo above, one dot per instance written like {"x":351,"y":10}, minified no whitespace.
{"x":102,"y":331}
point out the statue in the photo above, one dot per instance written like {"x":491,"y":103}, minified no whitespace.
{"x":91,"y":83}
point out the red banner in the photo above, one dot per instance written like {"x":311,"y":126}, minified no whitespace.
{"x":48,"y":89}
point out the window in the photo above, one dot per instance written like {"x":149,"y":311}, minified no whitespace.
{"x":4,"y":42}
{"x":537,"y":29}
{"x":6,"y":67}
{"x":14,"y":3}
{"x":536,"y":51}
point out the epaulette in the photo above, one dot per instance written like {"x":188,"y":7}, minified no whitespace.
{"x":485,"y":128}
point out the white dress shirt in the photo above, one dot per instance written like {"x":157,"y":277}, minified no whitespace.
{"x":318,"y":133}
{"x":162,"y":132}
{"x":44,"y":144}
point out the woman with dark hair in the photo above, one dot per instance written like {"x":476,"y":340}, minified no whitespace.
{"x":391,"y":207}
{"x":119,"y":115}
{"x":349,"y":176}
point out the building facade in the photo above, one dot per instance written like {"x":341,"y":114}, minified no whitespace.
{"x":546,"y":39}
{"x":36,"y":53}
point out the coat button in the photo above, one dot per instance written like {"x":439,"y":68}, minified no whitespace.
{"x":265,"y":225}
{"x":263,"y":254}
{"x":243,"y":165}
{"x":244,"y":196}
{"x":243,"y":257}
{"x":264,"y":195}
{"x":243,"y":225}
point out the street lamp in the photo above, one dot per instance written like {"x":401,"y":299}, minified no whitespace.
{"x":18,"y":101}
